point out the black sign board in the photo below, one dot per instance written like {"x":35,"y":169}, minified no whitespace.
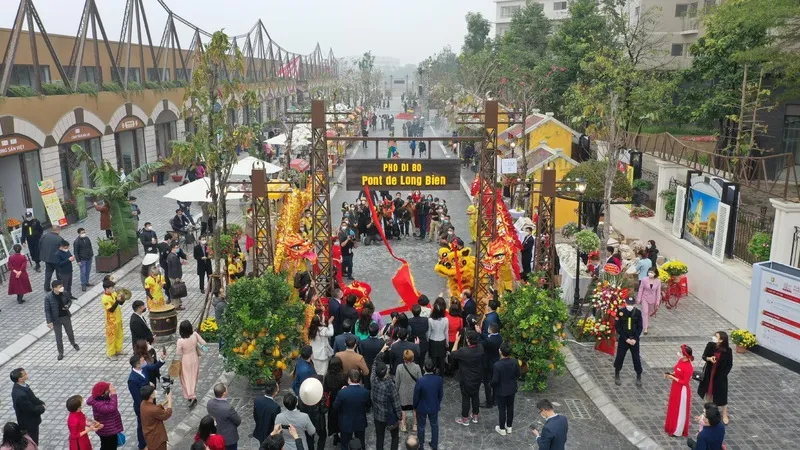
{"x":403,"y":174}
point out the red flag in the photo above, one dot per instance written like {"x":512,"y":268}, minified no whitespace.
{"x":402,"y":280}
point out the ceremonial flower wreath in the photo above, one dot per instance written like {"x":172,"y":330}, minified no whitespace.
{"x":603,"y":330}
{"x":671,"y":269}
{"x":608,"y":297}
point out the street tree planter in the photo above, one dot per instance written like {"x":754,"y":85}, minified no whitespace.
{"x":107,"y":264}
{"x":177,"y":178}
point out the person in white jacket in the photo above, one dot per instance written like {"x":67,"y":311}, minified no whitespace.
{"x":319,"y":336}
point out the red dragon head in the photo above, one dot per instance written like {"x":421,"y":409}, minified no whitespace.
{"x":361,"y":290}
{"x":298,"y":248}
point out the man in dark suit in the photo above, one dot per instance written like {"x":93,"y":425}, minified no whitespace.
{"x":203,"y":263}
{"x":334,"y":307}
{"x":27,"y":406}
{"x":370,"y":348}
{"x":48,"y":249}
{"x":491,"y":349}
{"x":351,"y":406}
{"x":491,"y":317}
{"x":339,"y":342}
{"x":629,"y":328}
{"x":225,"y":415}
{"x":469,"y":305}
{"x":265,"y":409}
{"x":348,"y":310}
{"x":554,"y":432}
{"x":527,"y":252}
{"x":428,"y":395}
{"x":304,"y":368}
{"x":504,"y":381}
{"x":138,"y":379}
{"x":399,"y":346}
{"x":139,"y":328}
{"x":470,"y":374}
{"x":419,"y":330}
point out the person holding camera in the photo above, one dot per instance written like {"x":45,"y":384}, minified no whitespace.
{"x":386,"y":401}
{"x":297,"y":419}
{"x":275,"y":440}
{"x":153,"y":417}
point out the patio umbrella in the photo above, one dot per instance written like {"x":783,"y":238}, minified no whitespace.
{"x":197,"y":191}
{"x":301,"y":165}
{"x":245,"y":166}
{"x":277,"y":140}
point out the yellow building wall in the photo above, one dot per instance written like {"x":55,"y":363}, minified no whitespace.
{"x":566,"y":210}
{"x":554,"y":135}
{"x":501,"y":127}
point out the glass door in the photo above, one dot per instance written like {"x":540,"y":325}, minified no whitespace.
{"x":32,"y":168}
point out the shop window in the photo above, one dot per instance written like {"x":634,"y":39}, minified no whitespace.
{"x":23,"y":75}
{"x":791,"y":136}
{"x":677,"y":50}
{"x":259,"y":115}
{"x":559,"y":6}
{"x":162,"y":74}
{"x":183,"y":75}
{"x":88,"y":74}
{"x":681,"y":10}
{"x":133,"y":75}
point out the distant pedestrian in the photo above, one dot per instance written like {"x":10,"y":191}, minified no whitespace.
{"x":83,"y":256}
{"x":201,"y":255}
{"x":48,"y":251}
{"x":386,"y":403}
{"x":225,"y":415}
{"x":220,"y":304}
{"x":413,"y":146}
{"x":31,"y":235}
{"x":554,"y":432}
{"x":154,"y":288}
{"x":719,"y":361}
{"x":304,"y":368}
{"x":649,"y":295}
{"x":491,"y":348}
{"x":138,"y":326}
{"x":76,"y":424}
{"x":175,"y":270}
{"x":105,"y":409}
{"x":148,"y":238}
{"x":19,"y":283}
{"x":319,"y":336}
{"x":27,"y":407}
{"x":428,"y":395}
{"x":105,"y":217}
{"x":64,"y":268}
{"x":504,"y":381}
{"x":407,"y":375}
{"x":58,"y":316}
{"x":680,"y":395}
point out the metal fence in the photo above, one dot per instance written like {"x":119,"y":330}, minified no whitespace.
{"x":748,"y":224}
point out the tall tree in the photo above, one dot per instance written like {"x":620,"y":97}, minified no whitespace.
{"x":477,"y":38}
{"x":525,"y":42}
{"x":365,"y":67}
{"x":210,"y":94}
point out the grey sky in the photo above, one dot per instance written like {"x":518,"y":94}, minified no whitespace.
{"x":408,"y":29}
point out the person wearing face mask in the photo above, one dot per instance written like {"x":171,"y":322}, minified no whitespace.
{"x":649,"y":295}
{"x":83,"y":256}
{"x":527,"y":252}
{"x":203,"y":262}
{"x":64,"y":267}
{"x":652,"y":251}
{"x":448,"y":237}
{"x":148,"y":238}
{"x":714,"y":384}
{"x":346,"y":244}
{"x":680,"y":394}
{"x":554,"y":432}
{"x":56,"y":311}
{"x":27,"y":407}
{"x":435,"y":217}
{"x":629,"y":328}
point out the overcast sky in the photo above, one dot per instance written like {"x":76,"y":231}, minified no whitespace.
{"x":407,"y":29}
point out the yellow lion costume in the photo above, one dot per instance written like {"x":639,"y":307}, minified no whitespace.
{"x":451,"y":263}
{"x":498,"y":262}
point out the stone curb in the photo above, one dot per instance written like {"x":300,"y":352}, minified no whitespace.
{"x":41,"y":330}
{"x":624,"y":426}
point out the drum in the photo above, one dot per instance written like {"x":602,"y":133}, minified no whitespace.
{"x":164,"y":320}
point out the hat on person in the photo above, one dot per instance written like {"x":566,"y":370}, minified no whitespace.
{"x":100,"y":388}
{"x":108,"y":284}
{"x":150,"y":258}
{"x":630,"y":301}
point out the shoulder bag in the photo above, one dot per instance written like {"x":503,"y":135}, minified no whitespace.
{"x":178,"y":290}
{"x":174,"y":370}
{"x":409,"y":372}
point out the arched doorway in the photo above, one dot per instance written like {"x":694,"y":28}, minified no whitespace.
{"x":20,"y":173}
{"x":88,"y":138}
{"x":166,"y":126}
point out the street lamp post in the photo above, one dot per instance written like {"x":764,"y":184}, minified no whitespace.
{"x":580,"y":188}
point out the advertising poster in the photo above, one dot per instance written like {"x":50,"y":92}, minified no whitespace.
{"x":703,"y":200}
{"x":52,"y":204}
{"x":778,"y":327}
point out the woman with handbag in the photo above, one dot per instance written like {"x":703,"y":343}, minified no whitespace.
{"x":438,"y":335}
{"x":333,"y":382}
{"x":105,"y":410}
{"x":407,"y":375}
{"x":188,"y":349}
{"x":319,"y":336}
{"x":719,"y":361}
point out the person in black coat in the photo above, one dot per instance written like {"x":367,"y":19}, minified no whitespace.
{"x":84,"y":254}
{"x":339,"y":342}
{"x":139,"y":328}
{"x":27,"y":406}
{"x":31,"y":234}
{"x":554,"y":432}
{"x":203,"y":262}
{"x":491,"y":347}
{"x":57,"y":315}
{"x":371,"y":346}
{"x":652,"y":252}
{"x":527,"y":252}
{"x":399,"y":347}
{"x":48,"y":252}
{"x":316,"y":413}
{"x":719,"y":361}
{"x":419,"y":332}
{"x":469,"y":305}
{"x":348,"y":310}
{"x":149,"y":238}
{"x":470,"y":374}
{"x":265,"y":410}
{"x":505,"y":374}
{"x":351,"y":406}
{"x":629,"y":328}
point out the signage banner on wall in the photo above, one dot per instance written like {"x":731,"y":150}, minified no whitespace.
{"x":776,"y":294}
{"x":129,"y":123}
{"x":403,"y":174}
{"x":80,"y":133}
{"x":707,"y":213}
{"x":52,"y":204}
{"x":16,"y":144}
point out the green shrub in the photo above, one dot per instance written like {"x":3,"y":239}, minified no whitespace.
{"x":669,"y":196}
{"x":88,"y":88}
{"x":642,"y":185}
{"x":56,"y":88}
{"x":587,"y":241}
{"x":169,"y":84}
{"x":593,"y":172}
{"x":107,"y":247}
{"x":112,"y":87}
{"x":538,"y":316}
{"x":569,"y":230}
{"x":154,"y":85}
{"x":262,"y":327}
{"x":760,"y":245}
{"x":134,"y":86}
{"x":21,"y":91}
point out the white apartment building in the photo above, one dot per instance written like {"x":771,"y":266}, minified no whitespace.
{"x":553,"y":9}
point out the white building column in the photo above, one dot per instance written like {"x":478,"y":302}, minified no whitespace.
{"x":150,"y":150}
{"x":51,"y":168}
{"x":180,"y":126}
{"x":666,"y":172}
{"x":787,"y":217}
{"x":109,"y":145}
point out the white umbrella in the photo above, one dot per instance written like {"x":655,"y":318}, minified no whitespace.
{"x":245,"y":166}
{"x":197,"y":191}
{"x":277,"y":140}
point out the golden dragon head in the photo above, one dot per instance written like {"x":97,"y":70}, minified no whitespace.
{"x":298,"y":248}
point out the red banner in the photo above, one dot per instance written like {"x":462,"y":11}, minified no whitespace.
{"x":402,"y":280}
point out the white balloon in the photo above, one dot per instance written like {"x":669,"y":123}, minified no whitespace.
{"x":311,"y":391}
